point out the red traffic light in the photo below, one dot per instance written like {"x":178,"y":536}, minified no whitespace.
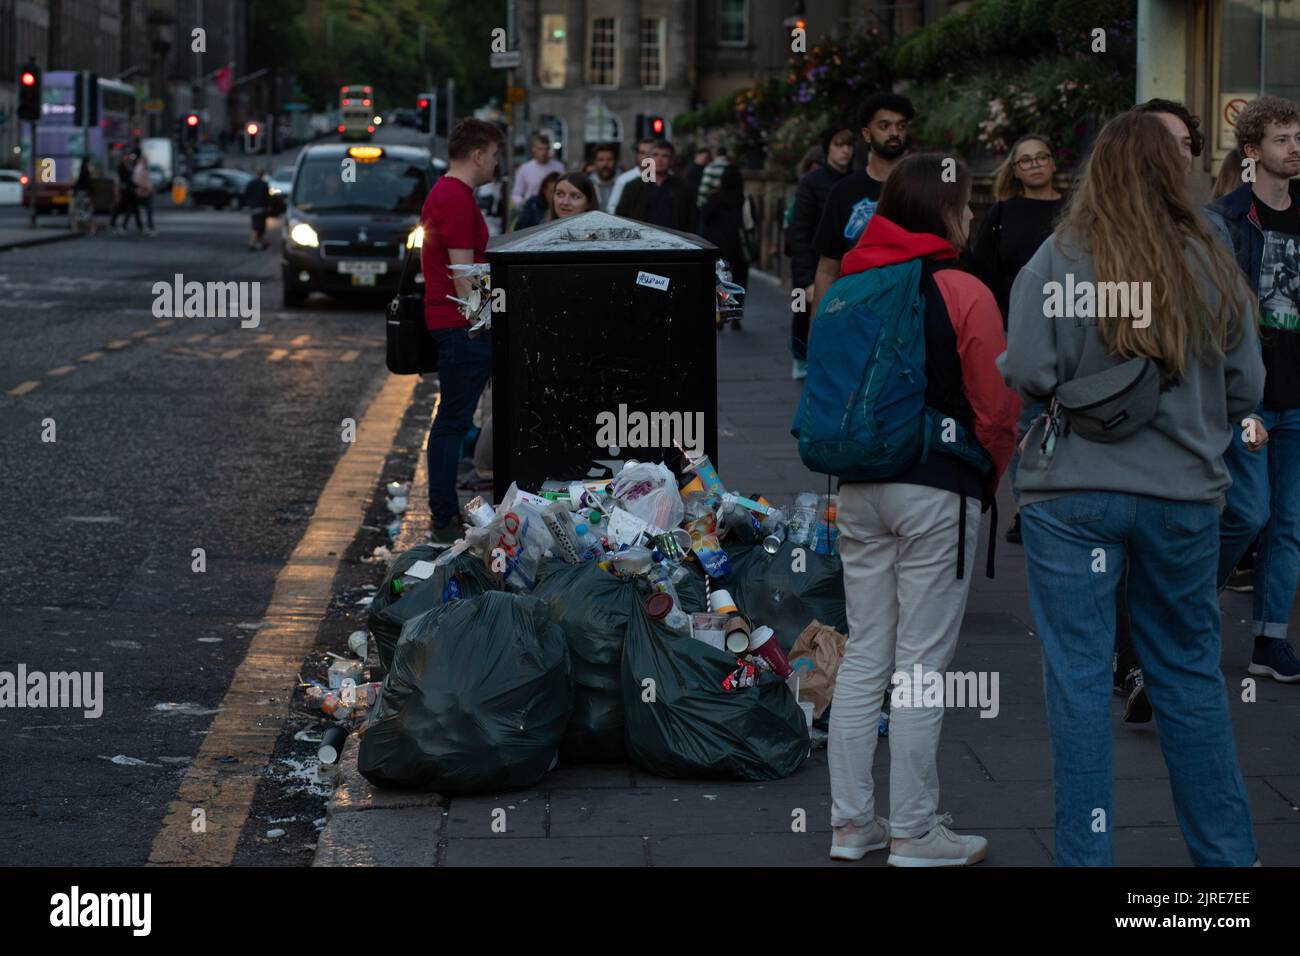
{"x":656,"y":125}
{"x":22,"y":180}
{"x":422,"y":103}
{"x":251,"y":129}
{"x":28,"y":78}
{"x":192,"y":120}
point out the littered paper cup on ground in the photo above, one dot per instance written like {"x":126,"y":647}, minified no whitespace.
{"x":737,"y":631}
{"x":720,"y":602}
{"x":763,"y":643}
{"x":331,"y":745}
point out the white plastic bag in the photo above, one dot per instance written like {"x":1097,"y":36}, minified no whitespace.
{"x":649,"y":491}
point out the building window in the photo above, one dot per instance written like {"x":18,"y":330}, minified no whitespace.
{"x":652,"y":53}
{"x":733,"y":22}
{"x":551,"y":57}
{"x":1243,"y":73}
{"x":603,"y":58}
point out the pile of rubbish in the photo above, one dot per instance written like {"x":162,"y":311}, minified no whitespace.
{"x":642,"y":617}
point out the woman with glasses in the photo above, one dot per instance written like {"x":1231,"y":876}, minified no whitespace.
{"x":1014,"y":227}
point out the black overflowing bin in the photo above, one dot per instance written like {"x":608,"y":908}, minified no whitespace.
{"x":607,"y":328}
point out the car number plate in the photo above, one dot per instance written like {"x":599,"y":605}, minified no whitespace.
{"x":362,"y":267}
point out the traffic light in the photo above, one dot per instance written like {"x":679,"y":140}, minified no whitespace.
{"x":424,"y":114}
{"x":251,"y":143}
{"x":650,"y":126}
{"x":192,"y":122}
{"x":29,"y":92}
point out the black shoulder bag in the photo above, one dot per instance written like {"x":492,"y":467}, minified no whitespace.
{"x":411,"y":350}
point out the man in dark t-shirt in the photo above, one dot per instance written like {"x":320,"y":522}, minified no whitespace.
{"x":851,"y":203}
{"x":455,"y":234}
{"x":1260,"y":222}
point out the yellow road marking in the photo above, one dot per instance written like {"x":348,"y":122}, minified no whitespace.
{"x":197,"y":337}
{"x":164,"y":323}
{"x":141,"y":334}
{"x":24,"y":387}
{"x":301,"y":340}
{"x":349,"y":356}
{"x":233,"y":353}
{"x":256,"y":704}
{"x":277,"y":354}
{"x":61,"y":370}
{"x":266,"y":337}
{"x":91,"y":357}
{"x":118,"y":344}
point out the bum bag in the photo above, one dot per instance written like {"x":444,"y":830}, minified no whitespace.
{"x":1110,"y":405}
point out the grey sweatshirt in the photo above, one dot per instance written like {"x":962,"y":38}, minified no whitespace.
{"x":1179,"y":453}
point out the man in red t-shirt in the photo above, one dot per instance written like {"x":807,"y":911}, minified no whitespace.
{"x":455,"y":234}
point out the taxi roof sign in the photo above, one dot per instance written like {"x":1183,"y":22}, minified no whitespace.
{"x":366,"y":154}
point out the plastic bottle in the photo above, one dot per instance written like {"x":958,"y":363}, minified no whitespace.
{"x":825,"y":532}
{"x":660,"y":579}
{"x":589,"y":544}
{"x":803,"y":519}
{"x":633,"y":561}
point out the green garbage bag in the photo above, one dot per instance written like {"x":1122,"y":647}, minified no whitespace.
{"x":686,"y":725}
{"x":594,"y":608}
{"x":389,"y":611}
{"x":477,"y":699}
{"x":785,"y":593}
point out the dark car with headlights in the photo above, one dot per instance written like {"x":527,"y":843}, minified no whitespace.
{"x":352,"y":214}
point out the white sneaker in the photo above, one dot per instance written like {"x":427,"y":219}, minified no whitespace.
{"x":939,"y":847}
{"x":853,"y":843}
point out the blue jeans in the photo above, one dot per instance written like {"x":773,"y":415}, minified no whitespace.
{"x":1277,"y":565}
{"x":1171,"y":549}
{"x":1028,"y":412}
{"x":464,"y":367}
{"x":1246,"y":504}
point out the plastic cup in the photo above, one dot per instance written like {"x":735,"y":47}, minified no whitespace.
{"x":721,"y":602}
{"x":763,"y":643}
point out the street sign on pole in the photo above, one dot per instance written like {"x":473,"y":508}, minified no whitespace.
{"x":509,"y":60}
{"x":515,"y":94}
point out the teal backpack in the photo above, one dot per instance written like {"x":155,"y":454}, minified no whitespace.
{"x":862,"y":416}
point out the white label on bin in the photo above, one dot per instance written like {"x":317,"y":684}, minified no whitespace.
{"x":421,"y":569}
{"x":652,"y":281}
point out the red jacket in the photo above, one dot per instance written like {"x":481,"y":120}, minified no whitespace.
{"x":976,"y":322}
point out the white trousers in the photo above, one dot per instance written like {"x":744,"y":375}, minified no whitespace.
{"x":898,"y":544}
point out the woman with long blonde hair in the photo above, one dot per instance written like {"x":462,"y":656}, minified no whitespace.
{"x":1095,"y":506}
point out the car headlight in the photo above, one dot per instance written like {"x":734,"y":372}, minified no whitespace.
{"x":304,"y":235}
{"x":275,"y":190}
{"x":416,"y":239}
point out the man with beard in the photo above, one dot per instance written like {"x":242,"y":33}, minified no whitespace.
{"x":1260,"y":222}
{"x":884,"y":118}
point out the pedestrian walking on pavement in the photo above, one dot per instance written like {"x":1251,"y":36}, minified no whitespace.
{"x":710,"y":177}
{"x":528,"y":180}
{"x":1260,"y":223}
{"x":667,"y":200}
{"x":1229,"y":177}
{"x":604,"y":173}
{"x":905,"y":540}
{"x":1145,"y":501}
{"x":572,"y":194}
{"x":723,"y":223}
{"x":143,"y":190}
{"x":1022,"y":217}
{"x":693,"y":175}
{"x":455,"y":233}
{"x":809,"y":202}
{"x":126,"y":205}
{"x":537,"y":208}
{"x":257,"y":200}
{"x":643,"y":148}
{"x":82,"y":208}
{"x":850,"y":204}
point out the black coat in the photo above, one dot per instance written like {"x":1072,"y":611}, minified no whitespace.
{"x":809,"y":202}
{"x":632,"y":204}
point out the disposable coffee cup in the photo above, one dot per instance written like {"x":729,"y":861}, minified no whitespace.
{"x":763,"y":643}
{"x":683,"y":539}
{"x":721,"y":602}
{"x":331,"y":745}
{"x":737,"y":634}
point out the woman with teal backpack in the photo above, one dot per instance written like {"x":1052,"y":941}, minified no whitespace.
{"x":933,"y":442}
